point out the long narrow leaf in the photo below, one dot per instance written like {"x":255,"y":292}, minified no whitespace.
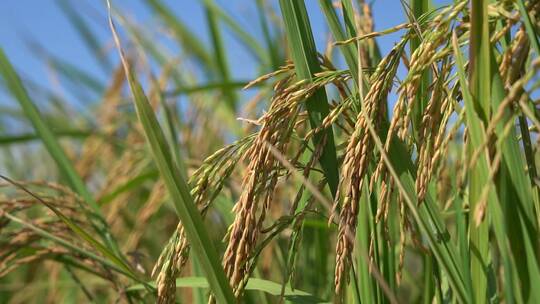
{"x":177,"y":187}
{"x":304,"y":54}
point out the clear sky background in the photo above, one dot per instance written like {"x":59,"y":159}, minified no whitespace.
{"x":43,"y":21}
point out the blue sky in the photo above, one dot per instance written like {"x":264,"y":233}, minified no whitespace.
{"x":43,"y":21}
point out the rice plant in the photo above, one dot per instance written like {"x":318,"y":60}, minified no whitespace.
{"x":348,"y":174}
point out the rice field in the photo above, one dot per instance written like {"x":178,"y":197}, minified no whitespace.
{"x":347,"y":173}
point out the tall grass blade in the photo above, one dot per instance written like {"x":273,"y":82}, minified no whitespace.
{"x":349,"y":51}
{"x":365,"y":224}
{"x":480,"y":109}
{"x":304,"y":54}
{"x":419,"y":8}
{"x":177,"y":187}
{"x":349,"y":18}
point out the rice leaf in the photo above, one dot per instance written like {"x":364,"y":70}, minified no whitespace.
{"x":349,"y":51}
{"x":419,"y":8}
{"x":304,"y":54}
{"x":177,"y":187}
{"x":480,"y":109}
